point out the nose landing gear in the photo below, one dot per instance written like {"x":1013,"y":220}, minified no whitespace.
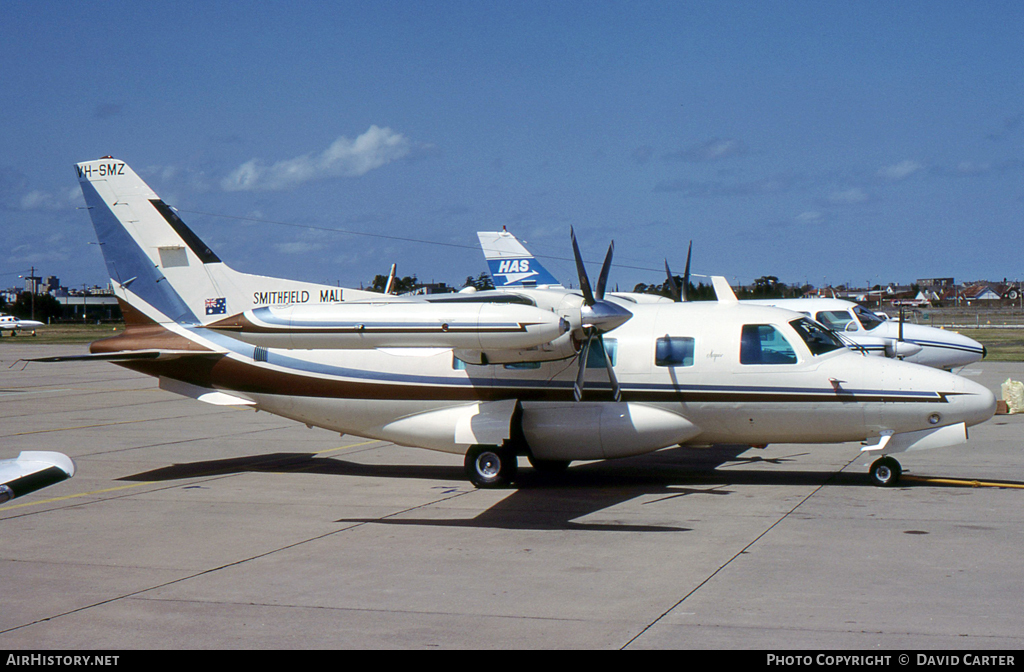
{"x":885,"y":472}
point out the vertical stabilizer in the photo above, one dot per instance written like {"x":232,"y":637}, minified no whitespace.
{"x":511,"y":264}
{"x":162,"y":268}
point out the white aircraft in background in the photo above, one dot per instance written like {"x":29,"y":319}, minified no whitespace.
{"x":31,"y":471}
{"x":544,"y":372}
{"x":853,"y":323}
{"x":910,"y":342}
{"x":14,"y":325}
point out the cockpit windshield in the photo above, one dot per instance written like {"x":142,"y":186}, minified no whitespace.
{"x":819,"y":340}
{"x":868,"y":319}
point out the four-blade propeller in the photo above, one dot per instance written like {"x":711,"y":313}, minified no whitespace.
{"x":679,"y":292}
{"x":597,"y":318}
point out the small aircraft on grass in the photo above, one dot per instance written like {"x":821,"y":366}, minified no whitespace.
{"x":14,"y":325}
{"x":549,"y":373}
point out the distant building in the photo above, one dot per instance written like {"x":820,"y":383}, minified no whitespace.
{"x":431,"y":288}
{"x":935,"y":282}
{"x":979,"y":292}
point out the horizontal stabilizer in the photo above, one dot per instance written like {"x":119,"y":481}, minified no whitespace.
{"x":31,"y":471}
{"x":127,"y":356}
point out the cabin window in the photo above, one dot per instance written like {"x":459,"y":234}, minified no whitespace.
{"x":818,"y":340}
{"x":764,"y":344}
{"x":596,"y":356}
{"x":673,"y":351}
{"x":836,"y":319}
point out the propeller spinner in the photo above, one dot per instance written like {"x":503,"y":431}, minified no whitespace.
{"x":598,"y":317}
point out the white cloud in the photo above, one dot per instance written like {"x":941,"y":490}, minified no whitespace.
{"x":45,"y":200}
{"x":899,"y":170}
{"x":344,"y":158}
{"x":809,"y":217}
{"x":973,"y":168}
{"x":849,"y":196}
{"x":297,"y":247}
{"x":712,"y":150}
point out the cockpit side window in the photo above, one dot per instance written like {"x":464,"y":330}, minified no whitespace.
{"x":818,"y":340}
{"x":835,"y":319}
{"x":764,"y":344}
{"x":596,"y":356}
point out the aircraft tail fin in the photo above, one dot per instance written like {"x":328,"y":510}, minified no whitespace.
{"x":160,"y":267}
{"x":510,"y":263}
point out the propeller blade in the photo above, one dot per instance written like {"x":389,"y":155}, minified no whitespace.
{"x":391,"y":279}
{"x":685,"y":294}
{"x":616,"y":391}
{"x":900,"y":339}
{"x":577,"y":388}
{"x":671,"y":285}
{"x":602,"y":279}
{"x":588,"y":295}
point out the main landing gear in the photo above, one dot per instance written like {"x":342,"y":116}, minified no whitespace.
{"x":491,"y":466}
{"x":885,"y":472}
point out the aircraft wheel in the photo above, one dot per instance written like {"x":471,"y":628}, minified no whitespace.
{"x":548,"y":466}
{"x":491,"y":466}
{"x":885,"y":472}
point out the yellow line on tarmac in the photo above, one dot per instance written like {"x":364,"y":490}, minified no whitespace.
{"x":81,"y":494}
{"x":955,"y":481}
{"x":351,"y":445}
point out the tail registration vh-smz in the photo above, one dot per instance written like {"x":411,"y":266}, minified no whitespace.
{"x":534,"y":370}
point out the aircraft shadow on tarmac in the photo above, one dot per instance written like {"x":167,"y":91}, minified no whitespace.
{"x":542,"y":501}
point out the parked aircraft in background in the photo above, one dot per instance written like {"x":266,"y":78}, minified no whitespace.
{"x":14,"y":325}
{"x":31,"y":471}
{"x":548,"y":373}
{"x":917,"y":343}
{"x":853,"y":323}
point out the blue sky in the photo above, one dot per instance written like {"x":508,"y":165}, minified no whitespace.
{"x":816,"y":141}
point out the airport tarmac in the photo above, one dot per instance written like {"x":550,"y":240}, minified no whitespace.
{"x":190,"y":526}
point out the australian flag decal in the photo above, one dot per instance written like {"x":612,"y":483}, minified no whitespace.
{"x":216,"y":306}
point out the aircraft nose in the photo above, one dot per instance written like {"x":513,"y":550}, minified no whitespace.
{"x":972,"y":403}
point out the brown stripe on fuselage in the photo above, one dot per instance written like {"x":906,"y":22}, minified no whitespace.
{"x":227,"y":373}
{"x":231,"y":374}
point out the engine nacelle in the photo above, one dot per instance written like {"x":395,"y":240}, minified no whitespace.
{"x":901,"y":349}
{"x":596,"y":431}
{"x":563,"y":347}
{"x":400,"y":324}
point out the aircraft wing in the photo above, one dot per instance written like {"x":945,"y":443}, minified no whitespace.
{"x":31,"y":471}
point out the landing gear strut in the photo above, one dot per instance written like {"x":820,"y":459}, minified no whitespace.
{"x":491,"y":466}
{"x":885,"y":472}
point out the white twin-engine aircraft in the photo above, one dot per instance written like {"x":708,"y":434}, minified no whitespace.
{"x":14,"y":325}
{"x":854,"y":324}
{"x":551,"y":374}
